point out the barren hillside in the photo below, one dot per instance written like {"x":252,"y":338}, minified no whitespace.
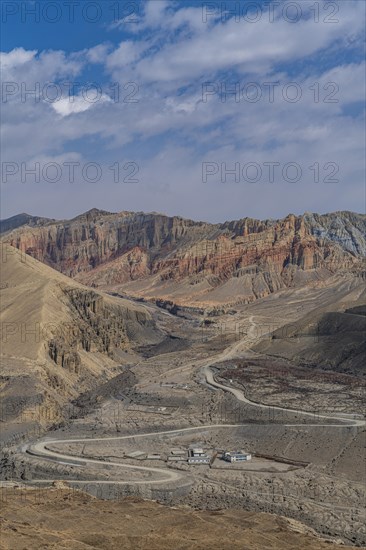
{"x":59,"y":338}
{"x":195,"y":263}
{"x":61,"y":519}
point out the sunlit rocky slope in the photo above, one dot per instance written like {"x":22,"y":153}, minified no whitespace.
{"x":195,"y":263}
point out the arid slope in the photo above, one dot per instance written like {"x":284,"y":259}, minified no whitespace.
{"x":59,"y":519}
{"x":59,"y":338}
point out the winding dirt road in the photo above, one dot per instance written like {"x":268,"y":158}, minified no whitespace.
{"x":164,"y":475}
{"x":345,"y":420}
{"x":41,"y":449}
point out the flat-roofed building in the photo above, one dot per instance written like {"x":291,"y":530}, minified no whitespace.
{"x":198,"y":456}
{"x":197,"y":451}
{"x":202,"y":459}
{"x":139,"y":455}
{"x":177,"y":452}
{"x":236,"y":456}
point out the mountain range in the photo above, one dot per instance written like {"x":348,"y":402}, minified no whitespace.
{"x":197,"y":264}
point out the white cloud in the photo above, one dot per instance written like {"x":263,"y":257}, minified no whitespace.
{"x":77,"y":104}
{"x":170,"y":131}
{"x":16,"y":58}
{"x":31,"y":67}
{"x":155,"y":13}
{"x":209,"y":48}
{"x":98,"y":54}
{"x":128,"y":52}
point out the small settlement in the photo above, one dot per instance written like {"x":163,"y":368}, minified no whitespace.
{"x":192,"y":455}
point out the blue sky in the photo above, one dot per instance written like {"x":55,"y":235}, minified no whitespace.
{"x":212,"y":111}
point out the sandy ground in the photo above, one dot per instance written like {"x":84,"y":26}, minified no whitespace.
{"x":59,"y":519}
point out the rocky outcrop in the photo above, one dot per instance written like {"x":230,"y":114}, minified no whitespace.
{"x":20,"y":220}
{"x":99,"y":327}
{"x":96,"y":237}
{"x":60,"y":338}
{"x":105,"y":249}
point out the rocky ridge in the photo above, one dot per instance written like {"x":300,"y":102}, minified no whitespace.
{"x":152,"y":253}
{"x":59,"y":338}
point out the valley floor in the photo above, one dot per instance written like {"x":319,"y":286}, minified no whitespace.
{"x":308,"y":448}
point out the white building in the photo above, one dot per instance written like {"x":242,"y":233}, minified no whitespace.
{"x":199,"y":460}
{"x":197,"y":451}
{"x":198,"y":456}
{"x":236,"y":456}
